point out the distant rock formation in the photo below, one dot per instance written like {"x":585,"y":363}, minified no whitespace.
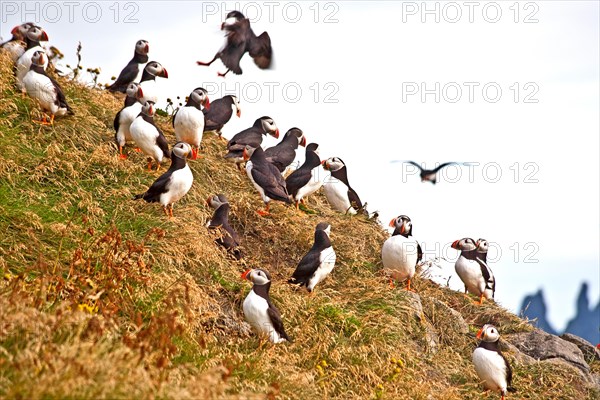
{"x":534,"y":309}
{"x":585,"y":324}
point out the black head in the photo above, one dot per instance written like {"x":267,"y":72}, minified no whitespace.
{"x":142,"y":47}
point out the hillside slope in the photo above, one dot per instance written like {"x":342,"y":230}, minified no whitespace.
{"x":104,"y":297}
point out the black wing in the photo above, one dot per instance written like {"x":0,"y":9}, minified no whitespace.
{"x":235,"y":47}
{"x":297,"y":179}
{"x":442,"y":166}
{"x":218,"y":115}
{"x":419,"y":253}
{"x":272,"y":183}
{"x":116,"y":121}
{"x":246,"y":137}
{"x":60,"y":96}
{"x":508,"y":373}
{"x":488,"y":275}
{"x":306,"y":268}
{"x":275,"y":317}
{"x":173,"y":118}
{"x":354,"y":199}
{"x":415,"y":164}
{"x":260,"y":50}
{"x":161,"y":141}
{"x":280,"y":156}
{"x":127,"y":75}
{"x":160,"y":186}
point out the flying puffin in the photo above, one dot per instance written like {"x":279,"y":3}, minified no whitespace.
{"x":44,"y":89}
{"x":148,"y":137}
{"x":307,"y":179}
{"x":132,"y":69}
{"x":259,"y":311}
{"x":188,"y":121}
{"x":430,"y":175}
{"x":401,"y":253}
{"x":337,"y":188}
{"x":265,"y":177}
{"x":241,"y":39}
{"x":34,"y":36}
{"x":318,"y":262}
{"x":173,"y":184}
{"x":473,"y":270}
{"x":229,"y":239}
{"x":283,"y":153}
{"x":148,"y":80}
{"x":252,"y":137}
{"x":131,"y":109}
{"x":220,"y":113}
{"x":16,"y":45}
{"x":490,"y":364}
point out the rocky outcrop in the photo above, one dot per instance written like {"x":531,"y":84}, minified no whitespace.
{"x":590,"y":352}
{"x":586,"y":323}
{"x":544,"y":346}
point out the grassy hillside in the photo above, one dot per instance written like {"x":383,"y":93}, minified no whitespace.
{"x":104,"y":297}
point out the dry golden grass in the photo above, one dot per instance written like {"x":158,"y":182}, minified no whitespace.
{"x":104,"y":297}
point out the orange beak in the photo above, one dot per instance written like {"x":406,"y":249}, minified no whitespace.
{"x":392,"y":223}
{"x":140,"y":92}
{"x":14,"y":30}
{"x":208,"y":201}
{"x":165,"y":74}
{"x":147,"y":49}
{"x":303,"y":142}
{"x":455,"y":244}
{"x":42,"y":60}
{"x":246,"y":155}
{"x":245,"y":274}
{"x":207,"y":103}
{"x":480,"y":333}
{"x":238,"y":113}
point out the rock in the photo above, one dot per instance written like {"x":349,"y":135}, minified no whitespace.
{"x":514,"y":352}
{"x":454,"y":321}
{"x":590,"y":352}
{"x":413,"y":301}
{"x":543,"y":346}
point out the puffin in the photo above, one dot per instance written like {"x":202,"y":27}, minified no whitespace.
{"x":173,"y":184}
{"x":131,"y":109}
{"x":132,"y":69}
{"x":472,"y":268}
{"x":34,"y":36}
{"x":338,"y":191}
{"x":45,"y":89}
{"x":241,"y":39}
{"x":490,"y":364}
{"x":307,"y":179}
{"x":265,"y":177}
{"x":401,"y":253}
{"x":259,"y":311}
{"x":148,"y":80}
{"x":15,"y":46}
{"x":148,"y":137}
{"x":283,"y":153}
{"x":318,"y":263}
{"x":220,"y":113}
{"x":229,"y":239}
{"x":188,"y":121}
{"x":430,"y":175}
{"x":252,"y":137}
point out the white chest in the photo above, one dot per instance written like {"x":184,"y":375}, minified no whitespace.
{"x":490,"y":368}
{"x":399,"y":256}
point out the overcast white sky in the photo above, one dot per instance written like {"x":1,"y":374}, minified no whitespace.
{"x":517,"y":87}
